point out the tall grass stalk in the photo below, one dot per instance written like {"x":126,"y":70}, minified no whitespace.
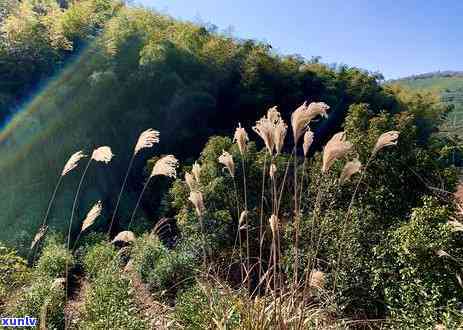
{"x":132,"y":158}
{"x":74,"y":205}
{"x":246,"y":223}
{"x":261,"y":220}
{"x":132,"y":217}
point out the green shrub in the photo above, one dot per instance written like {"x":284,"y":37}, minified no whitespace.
{"x":109,"y":304}
{"x":41,"y":300}
{"x":206,"y":307}
{"x":99,"y":258}
{"x":420,"y":288}
{"x":52,"y":262}
{"x":165,"y":271}
{"x":13,"y":272}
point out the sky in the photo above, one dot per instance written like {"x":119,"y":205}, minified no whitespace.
{"x":397,"y":38}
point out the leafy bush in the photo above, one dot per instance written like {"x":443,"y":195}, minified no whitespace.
{"x":205,"y":307}
{"x":420,"y":287}
{"x":13,"y":272}
{"x":109,"y":304}
{"x":42,"y":300}
{"x":101,"y":257}
{"x":165,"y":271}
{"x":52,"y":262}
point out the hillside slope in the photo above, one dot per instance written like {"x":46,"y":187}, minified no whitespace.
{"x":449,"y":85}
{"x":137,"y":69}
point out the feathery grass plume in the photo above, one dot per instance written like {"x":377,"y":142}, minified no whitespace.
{"x":274,"y":115}
{"x":166,"y":166}
{"x":272,"y":171}
{"x":125,"y":236}
{"x":196,"y":170}
{"x":264,"y":128}
{"x":352,"y":167}
{"x":455,"y":225}
{"x":58,"y":283}
{"x":38,"y":237}
{"x":337,"y":147}
{"x":308,"y":140}
{"x":279,"y":134}
{"x":196,"y":197}
{"x":442,"y":253}
{"x":243,"y":216}
{"x":385,"y":140}
{"x":273,"y":220}
{"x":102,"y":154}
{"x":302,"y":116}
{"x":147,"y":139}
{"x":94,"y":213}
{"x":317,"y":279}
{"x":73,"y":162}
{"x":241,"y":138}
{"x":190,"y":181}
{"x":226,"y":159}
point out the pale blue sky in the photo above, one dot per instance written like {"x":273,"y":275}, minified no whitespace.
{"x":397,"y":38}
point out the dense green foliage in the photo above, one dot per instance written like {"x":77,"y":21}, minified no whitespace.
{"x":109,"y":71}
{"x":124,"y":70}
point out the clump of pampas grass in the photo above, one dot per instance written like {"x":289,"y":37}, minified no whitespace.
{"x":147,"y":139}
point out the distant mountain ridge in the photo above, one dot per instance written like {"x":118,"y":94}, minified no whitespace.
{"x":440,"y":74}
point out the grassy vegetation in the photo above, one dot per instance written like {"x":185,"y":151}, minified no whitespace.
{"x":312,"y":215}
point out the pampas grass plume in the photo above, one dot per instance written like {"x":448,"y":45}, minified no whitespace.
{"x":102,"y":154}
{"x":72,"y":162}
{"x":166,"y":166}
{"x":241,"y":138}
{"x":302,"y":116}
{"x":38,"y":237}
{"x":226,"y":159}
{"x":92,"y":215}
{"x":337,"y":147}
{"x":196,"y":197}
{"x":385,"y":140}
{"x":350,"y":169}
{"x":308,"y":140}
{"x":273,"y":224}
{"x":147,"y":139}
{"x":196,"y":170}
